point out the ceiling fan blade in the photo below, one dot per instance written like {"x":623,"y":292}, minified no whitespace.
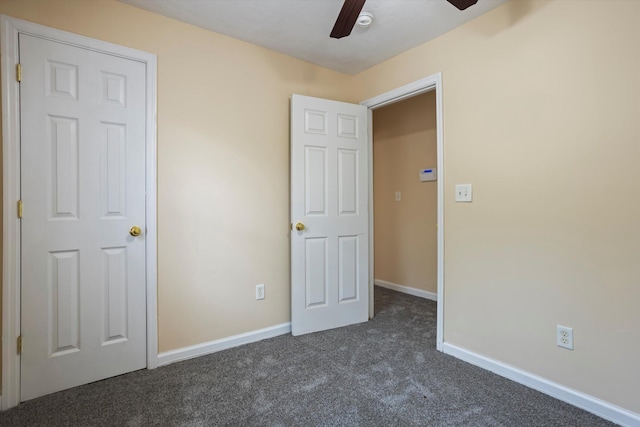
{"x":462,"y":4}
{"x":347,"y":18}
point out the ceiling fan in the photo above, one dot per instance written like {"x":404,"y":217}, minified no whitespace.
{"x":352,"y":8}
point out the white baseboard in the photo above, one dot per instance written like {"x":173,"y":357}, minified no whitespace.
{"x":407,"y":290}
{"x":190,"y":352}
{"x":584,"y":401}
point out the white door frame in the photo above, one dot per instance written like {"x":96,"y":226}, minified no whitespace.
{"x":433,"y":82}
{"x":10,"y":28}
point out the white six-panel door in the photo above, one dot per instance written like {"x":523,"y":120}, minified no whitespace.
{"x":329,"y":198}
{"x":83,"y":188}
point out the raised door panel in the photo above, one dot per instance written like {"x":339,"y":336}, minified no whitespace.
{"x":347,"y":126}
{"x":65,"y":185}
{"x":316,"y":271}
{"x":114,"y":273}
{"x":315,"y":122}
{"x":315,"y":181}
{"x":64,"y":305}
{"x":61,"y":80}
{"x":113,"y":89}
{"x":348,"y":273}
{"x":113,"y":165}
{"x":347,"y":182}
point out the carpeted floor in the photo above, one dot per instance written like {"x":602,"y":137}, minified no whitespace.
{"x":385,"y":372}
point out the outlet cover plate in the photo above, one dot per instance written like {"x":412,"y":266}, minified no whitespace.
{"x":260,"y":291}
{"x":564,"y":337}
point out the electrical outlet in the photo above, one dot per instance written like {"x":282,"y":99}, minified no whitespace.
{"x":564,"y":337}
{"x":260,"y":291}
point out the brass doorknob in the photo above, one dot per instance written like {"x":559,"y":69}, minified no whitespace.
{"x":299,"y":226}
{"x":135,"y":231}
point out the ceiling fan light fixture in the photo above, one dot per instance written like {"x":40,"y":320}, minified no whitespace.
{"x":364,"y":19}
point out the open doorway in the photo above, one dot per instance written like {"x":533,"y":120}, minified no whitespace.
{"x":405,"y":196}
{"x":433,"y":84}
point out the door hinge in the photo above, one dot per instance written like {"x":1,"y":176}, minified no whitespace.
{"x":19,"y":208}
{"x":19,"y":72}
{"x":20,"y":344}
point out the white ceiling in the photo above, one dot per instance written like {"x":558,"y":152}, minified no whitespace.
{"x":300,"y":28}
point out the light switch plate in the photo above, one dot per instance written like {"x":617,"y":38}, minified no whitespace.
{"x":464,"y":193}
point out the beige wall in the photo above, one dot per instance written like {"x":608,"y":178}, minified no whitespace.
{"x":404,"y":142}
{"x":223,"y":164}
{"x":541,"y":113}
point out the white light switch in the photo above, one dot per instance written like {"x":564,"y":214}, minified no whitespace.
{"x":464,"y":193}
{"x":398,"y":196}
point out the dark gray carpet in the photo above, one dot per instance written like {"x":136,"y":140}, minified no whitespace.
{"x":382,"y":373}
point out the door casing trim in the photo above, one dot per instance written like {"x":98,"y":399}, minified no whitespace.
{"x":10,"y":28}
{"x":427,"y":84}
